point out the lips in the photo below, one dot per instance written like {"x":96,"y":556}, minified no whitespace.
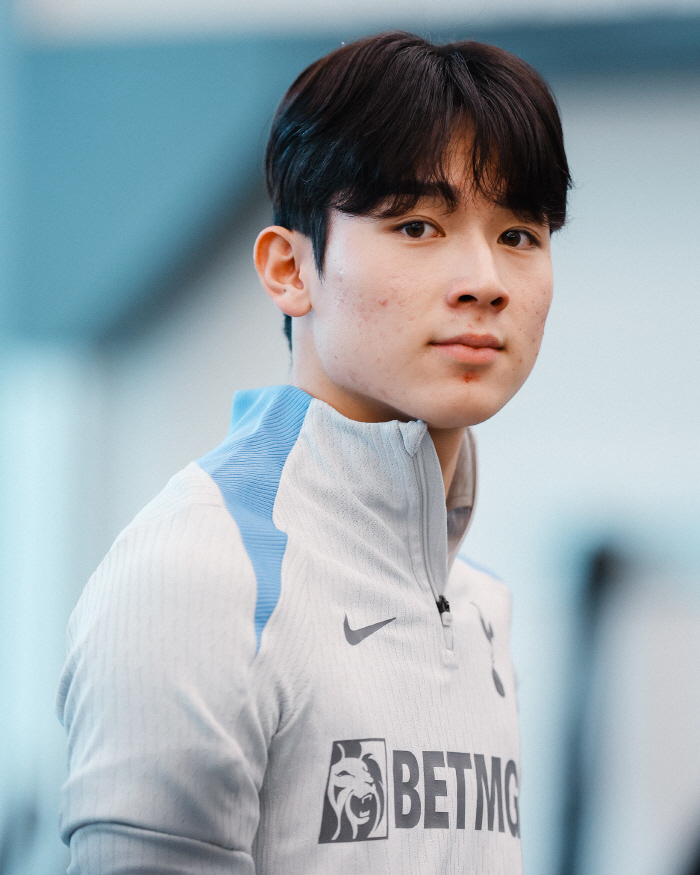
{"x":475,"y":349}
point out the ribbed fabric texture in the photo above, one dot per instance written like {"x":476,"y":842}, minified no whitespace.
{"x":247,"y":468}
{"x":156,"y":695}
{"x":197,"y":740}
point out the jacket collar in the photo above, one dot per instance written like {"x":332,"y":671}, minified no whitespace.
{"x":462,"y":496}
{"x":371,"y":441}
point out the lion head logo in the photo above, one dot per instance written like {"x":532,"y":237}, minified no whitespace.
{"x":355,"y":802}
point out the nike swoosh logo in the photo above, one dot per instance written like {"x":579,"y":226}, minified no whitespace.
{"x":354,"y":636}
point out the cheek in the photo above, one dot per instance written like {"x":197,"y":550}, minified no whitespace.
{"x":531,"y":318}
{"x":355,"y":325}
{"x":542,"y":310}
{"x":375,"y":307}
{"x":537,"y":311}
{"x":539,"y":320}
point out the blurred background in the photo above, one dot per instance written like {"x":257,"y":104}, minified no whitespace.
{"x":131,"y":136}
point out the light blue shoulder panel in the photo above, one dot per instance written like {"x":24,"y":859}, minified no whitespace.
{"x":477,"y":567}
{"x":247,"y":468}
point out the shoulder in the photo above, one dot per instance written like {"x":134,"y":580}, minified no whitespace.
{"x":156,"y":691}
{"x":186,"y":518}
{"x":181,"y":558}
{"x":190,"y":490}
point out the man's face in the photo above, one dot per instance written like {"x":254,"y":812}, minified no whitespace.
{"x":435,"y":315}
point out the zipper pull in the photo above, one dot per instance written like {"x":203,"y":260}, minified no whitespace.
{"x":443,"y":607}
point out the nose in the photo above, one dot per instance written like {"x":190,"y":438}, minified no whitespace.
{"x":478,"y":282}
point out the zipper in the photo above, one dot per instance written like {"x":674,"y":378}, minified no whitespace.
{"x":441,"y":602}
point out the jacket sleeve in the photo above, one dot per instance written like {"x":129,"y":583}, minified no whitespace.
{"x":165,"y":749}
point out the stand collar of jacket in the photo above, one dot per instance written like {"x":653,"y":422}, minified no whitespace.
{"x":372,"y":461}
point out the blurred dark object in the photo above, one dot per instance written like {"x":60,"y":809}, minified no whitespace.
{"x":18,"y":832}
{"x":603,"y":570}
{"x":694,"y":867}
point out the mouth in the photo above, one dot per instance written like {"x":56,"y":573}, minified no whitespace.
{"x":473,"y":349}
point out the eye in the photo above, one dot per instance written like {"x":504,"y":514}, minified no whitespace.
{"x":516,"y":238}
{"x":418,"y":230}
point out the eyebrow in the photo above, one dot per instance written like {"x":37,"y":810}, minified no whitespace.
{"x":404,"y":200}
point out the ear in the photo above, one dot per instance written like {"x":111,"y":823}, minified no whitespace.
{"x":282,"y":262}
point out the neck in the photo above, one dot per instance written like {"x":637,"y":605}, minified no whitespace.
{"x":447,"y":443}
{"x":307,"y":374}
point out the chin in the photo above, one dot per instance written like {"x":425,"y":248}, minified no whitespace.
{"x":461,"y":412}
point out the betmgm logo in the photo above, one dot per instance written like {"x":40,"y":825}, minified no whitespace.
{"x":355,"y":804}
{"x":354,"y":807}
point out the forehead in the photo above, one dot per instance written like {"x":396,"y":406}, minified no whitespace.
{"x":469,"y":179}
{"x":455,"y":178}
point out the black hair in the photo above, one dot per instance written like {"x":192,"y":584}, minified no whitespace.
{"x":369,"y":127}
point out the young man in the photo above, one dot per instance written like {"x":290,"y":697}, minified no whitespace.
{"x":282,"y":666}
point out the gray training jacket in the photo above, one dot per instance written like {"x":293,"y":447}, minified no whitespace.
{"x":259,"y":679}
